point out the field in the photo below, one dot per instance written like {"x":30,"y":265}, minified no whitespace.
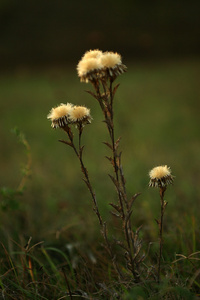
{"x":157,"y":115}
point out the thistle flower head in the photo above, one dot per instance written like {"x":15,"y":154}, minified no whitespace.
{"x":92,"y":54}
{"x":160,"y":176}
{"x":80,"y":115}
{"x":112,"y":62}
{"x":88,"y":68}
{"x":95,"y":65}
{"x":110,"y":59}
{"x":59,"y":115}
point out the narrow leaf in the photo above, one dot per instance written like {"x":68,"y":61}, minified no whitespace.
{"x":111,"y":160}
{"x":81,"y":150}
{"x":107,"y":144}
{"x":115,"y":89}
{"x":92,"y":94}
{"x":66,"y":142}
{"x":117,"y":143}
{"x":128,"y":215}
{"x":114,"y":181}
{"x":114,"y":214}
{"x":121,"y":244}
{"x":117,"y":207}
{"x":133,"y":198}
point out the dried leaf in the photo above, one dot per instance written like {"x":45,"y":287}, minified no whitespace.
{"x":128,"y":215}
{"x":138,"y":230}
{"x":117,"y":144}
{"x":66,"y":142}
{"x":133,"y":198}
{"x":114,"y":214}
{"x":81,"y":150}
{"x":114,"y":181}
{"x":86,"y":183}
{"x":107,"y":144}
{"x":111,"y":160}
{"x":108,"y":123}
{"x":121,"y":244}
{"x":115,"y":89}
{"x":117,"y":207}
{"x":92,"y":94}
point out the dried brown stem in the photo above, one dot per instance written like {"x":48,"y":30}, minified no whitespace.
{"x":87,"y":181}
{"x":106,"y":103}
{"x":79,"y":152}
{"x":160,"y":224}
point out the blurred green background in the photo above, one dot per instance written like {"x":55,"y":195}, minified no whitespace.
{"x":156,"y":110}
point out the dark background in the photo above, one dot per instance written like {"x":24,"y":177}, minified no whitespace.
{"x":57,"y":32}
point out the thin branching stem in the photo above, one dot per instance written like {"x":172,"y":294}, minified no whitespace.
{"x":87,"y":181}
{"x":83,"y":168}
{"x":106,"y":103}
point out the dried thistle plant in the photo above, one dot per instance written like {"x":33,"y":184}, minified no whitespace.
{"x":160,"y":177}
{"x":101,"y":69}
{"x":65,"y":116}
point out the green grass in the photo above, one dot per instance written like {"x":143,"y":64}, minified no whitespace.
{"x":157,"y":114}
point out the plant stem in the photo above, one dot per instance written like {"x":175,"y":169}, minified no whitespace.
{"x":87,"y":181}
{"x":162,"y":210}
{"x":106,"y":103}
{"x":83,"y":168}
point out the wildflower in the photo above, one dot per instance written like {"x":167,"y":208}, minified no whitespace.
{"x":80,"y":115}
{"x":112,"y":63}
{"x":60,"y":115}
{"x":160,"y":177}
{"x":92,"y":54}
{"x":88,"y":68}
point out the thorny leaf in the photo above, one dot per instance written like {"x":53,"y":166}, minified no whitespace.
{"x":157,"y":221}
{"x":109,"y":109}
{"x":138,"y":230}
{"x":142,"y":258}
{"x":117,"y":144}
{"x":121,"y":244}
{"x":117,"y":207}
{"x":81,"y":151}
{"x":128,"y":215}
{"x":138,"y":248}
{"x":114,"y":214}
{"x":133,"y":198}
{"x":66,"y":142}
{"x":111,"y":160}
{"x":118,"y":159}
{"x":165,"y":204}
{"x":107,"y":144}
{"x":86,"y":182}
{"x":115,"y":89}
{"x":108,"y":122}
{"x":105,"y":95}
{"x":114,"y":181}
{"x":92,"y":94}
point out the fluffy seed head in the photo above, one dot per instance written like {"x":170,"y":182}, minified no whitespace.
{"x":160,"y":176}
{"x":59,"y":115}
{"x":110,"y":59}
{"x":112,"y":64}
{"x":88,"y":69}
{"x":80,"y":114}
{"x":92,"y":54}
